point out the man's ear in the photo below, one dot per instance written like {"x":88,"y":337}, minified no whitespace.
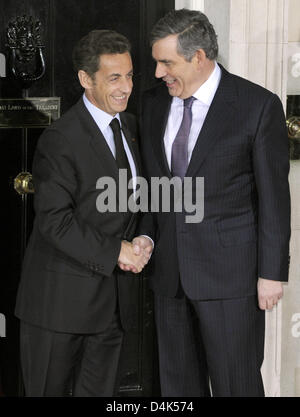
{"x":199,"y":57}
{"x":84,"y":79}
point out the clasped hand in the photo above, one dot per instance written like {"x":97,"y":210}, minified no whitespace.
{"x":135,"y":255}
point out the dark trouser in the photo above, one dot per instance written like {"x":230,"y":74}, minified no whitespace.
{"x":55,"y":364}
{"x":221,"y":341}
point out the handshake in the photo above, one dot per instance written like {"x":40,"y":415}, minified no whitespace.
{"x":136,"y":254}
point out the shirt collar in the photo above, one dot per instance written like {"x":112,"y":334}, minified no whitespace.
{"x":102,"y":118}
{"x":207,"y":90}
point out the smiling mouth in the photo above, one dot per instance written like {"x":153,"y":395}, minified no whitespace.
{"x":120,"y":98}
{"x":170,"y":83}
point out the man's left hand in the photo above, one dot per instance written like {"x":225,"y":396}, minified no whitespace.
{"x":269,"y":293}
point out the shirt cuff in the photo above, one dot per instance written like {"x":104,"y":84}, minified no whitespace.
{"x":150,"y":240}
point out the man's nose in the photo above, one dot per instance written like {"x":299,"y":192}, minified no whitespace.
{"x":126,"y":85}
{"x":160,"y":70}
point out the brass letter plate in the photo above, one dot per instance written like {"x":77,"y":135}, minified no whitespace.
{"x":29,"y":112}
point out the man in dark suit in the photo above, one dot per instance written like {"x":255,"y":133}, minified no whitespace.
{"x":213,"y":279}
{"x":73,"y":300}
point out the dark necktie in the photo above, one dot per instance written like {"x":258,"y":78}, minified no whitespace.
{"x":121,"y":157}
{"x":179,"y":157}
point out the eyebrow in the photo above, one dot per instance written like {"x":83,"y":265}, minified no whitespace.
{"x":163,"y":61}
{"x":119,"y":75}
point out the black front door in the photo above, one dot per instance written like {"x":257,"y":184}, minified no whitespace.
{"x":62,"y":23}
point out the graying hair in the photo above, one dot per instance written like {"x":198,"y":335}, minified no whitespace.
{"x":194,"y":32}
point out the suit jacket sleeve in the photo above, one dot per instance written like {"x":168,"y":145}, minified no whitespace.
{"x":271,"y":168}
{"x":57,"y":215}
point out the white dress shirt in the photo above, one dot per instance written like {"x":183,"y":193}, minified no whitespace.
{"x":103,"y":120}
{"x":204,"y":96}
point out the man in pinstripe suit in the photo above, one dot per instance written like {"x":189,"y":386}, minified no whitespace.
{"x":213,"y":280}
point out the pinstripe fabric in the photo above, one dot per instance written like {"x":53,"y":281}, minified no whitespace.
{"x":242,"y":154}
{"x":221,"y":339}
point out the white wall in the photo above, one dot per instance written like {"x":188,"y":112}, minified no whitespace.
{"x":190,"y":4}
{"x":290,"y":372}
{"x":218,"y":12}
{"x":293,"y":83}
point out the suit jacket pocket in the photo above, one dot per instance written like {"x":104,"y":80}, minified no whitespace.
{"x":238,"y":230}
{"x":67,"y":267}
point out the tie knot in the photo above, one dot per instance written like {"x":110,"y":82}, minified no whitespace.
{"x":188,"y":102}
{"x":115,"y":125}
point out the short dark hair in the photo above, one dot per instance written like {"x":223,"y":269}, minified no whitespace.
{"x":193,"y":29}
{"x":87,"y":51}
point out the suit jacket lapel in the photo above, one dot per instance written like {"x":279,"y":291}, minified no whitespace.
{"x":99,"y":144}
{"x":97,"y":140}
{"x":159,"y":121}
{"x":101,"y":148}
{"x":132,"y":143}
{"x":221,"y":112}
{"x":133,"y":146}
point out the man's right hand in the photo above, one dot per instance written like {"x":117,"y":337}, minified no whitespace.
{"x":129,"y":261}
{"x":142,"y":243}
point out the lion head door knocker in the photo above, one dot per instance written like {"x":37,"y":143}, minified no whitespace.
{"x":26,"y":58}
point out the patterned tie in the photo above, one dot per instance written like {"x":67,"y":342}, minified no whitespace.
{"x":121,"y":157}
{"x":179,"y":158}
